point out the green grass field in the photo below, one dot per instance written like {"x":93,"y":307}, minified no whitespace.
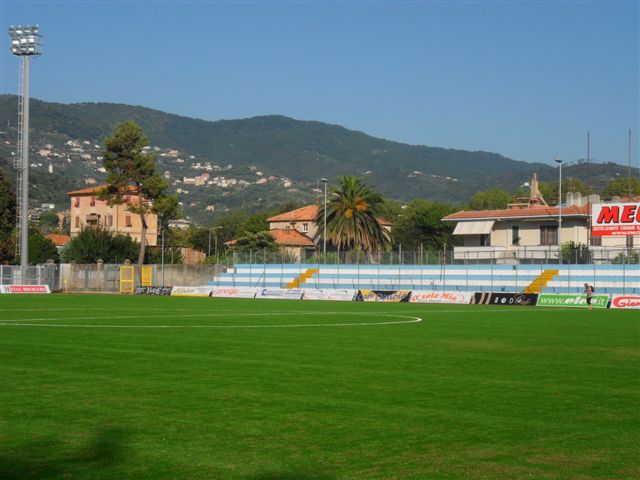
{"x":109,"y":387}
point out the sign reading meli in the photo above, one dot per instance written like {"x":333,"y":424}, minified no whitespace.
{"x":615,"y":219}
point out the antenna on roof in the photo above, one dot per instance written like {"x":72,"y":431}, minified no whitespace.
{"x":588,"y":156}
{"x":629,"y":164}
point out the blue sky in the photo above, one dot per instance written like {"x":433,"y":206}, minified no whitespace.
{"x":524,"y":79}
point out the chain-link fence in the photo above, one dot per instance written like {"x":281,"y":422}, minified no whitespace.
{"x":106,"y":277}
{"x":71,"y":277}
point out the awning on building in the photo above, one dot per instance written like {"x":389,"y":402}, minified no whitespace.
{"x":474,"y":228}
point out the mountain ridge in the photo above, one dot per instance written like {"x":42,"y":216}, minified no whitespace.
{"x":291,"y":154}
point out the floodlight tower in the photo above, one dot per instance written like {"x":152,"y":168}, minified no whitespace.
{"x":25,"y":43}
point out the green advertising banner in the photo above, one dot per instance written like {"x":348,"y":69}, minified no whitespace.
{"x":580,"y":301}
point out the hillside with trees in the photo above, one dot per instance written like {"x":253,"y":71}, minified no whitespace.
{"x":258,"y":163}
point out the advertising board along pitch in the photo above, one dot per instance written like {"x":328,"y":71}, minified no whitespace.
{"x":343,"y":295}
{"x":233,"y":292}
{"x":517,"y":299}
{"x":186,"y":291}
{"x":153,"y":290}
{"x":389,"y":296}
{"x":574,"y":301}
{"x":441,"y":297}
{"x":24,"y":289}
{"x":625,"y":301}
{"x":280,"y":293}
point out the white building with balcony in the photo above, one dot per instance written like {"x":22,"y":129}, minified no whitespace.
{"x":530,"y":232}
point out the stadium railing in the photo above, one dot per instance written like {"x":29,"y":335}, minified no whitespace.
{"x":546,"y":255}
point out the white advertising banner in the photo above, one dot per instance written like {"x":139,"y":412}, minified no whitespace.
{"x":201,"y":291}
{"x":234,"y":292}
{"x":24,"y":289}
{"x":329,"y":294}
{"x":625,"y":301}
{"x":280,"y":293}
{"x":441,"y":297}
{"x":615,"y":219}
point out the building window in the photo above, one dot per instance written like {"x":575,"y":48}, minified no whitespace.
{"x":108,"y":221}
{"x":77,"y":222}
{"x":93,"y":201}
{"x":549,"y":235}
{"x":127,"y":221}
{"x":76,"y":203}
{"x":596,"y":241}
{"x":485,"y":240}
{"x":515,"y":235}
{"x":305,"y":227}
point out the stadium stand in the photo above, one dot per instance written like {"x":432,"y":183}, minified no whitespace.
{"x":617,"y":279}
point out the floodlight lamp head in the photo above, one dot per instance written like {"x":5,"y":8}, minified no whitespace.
{"x":25,"y":41}
{"x":323,"y":180}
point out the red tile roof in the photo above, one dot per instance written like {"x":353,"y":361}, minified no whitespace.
{"x":95,"y":190}
{"x":291,"y":237}
{"x":518,"y":213}
{"x":300,"y":214}
{"x":284,"y":237}
{"x":59,"y":240}
{"x":308,"y":213}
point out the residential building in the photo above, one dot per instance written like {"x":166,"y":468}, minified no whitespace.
{"x":59,"y":240}
{"x":179,"y":223}
{"x":88,"y":210}
{"x":297,"y":230}
{"x":529,"y":232}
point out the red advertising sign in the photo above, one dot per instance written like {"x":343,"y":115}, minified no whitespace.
{"x":24,"y":289}
{"x":615,"y":219}
{"x":626,"y":301}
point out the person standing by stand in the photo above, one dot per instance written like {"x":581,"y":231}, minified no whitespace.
{"x":588,"y":291}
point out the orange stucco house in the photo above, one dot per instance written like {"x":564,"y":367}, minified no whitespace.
{"x":88,"y":210}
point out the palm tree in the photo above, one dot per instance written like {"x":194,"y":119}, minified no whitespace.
{"x":351,"y":217}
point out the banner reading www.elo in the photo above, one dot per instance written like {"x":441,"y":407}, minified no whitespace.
{"x":574,"y":301}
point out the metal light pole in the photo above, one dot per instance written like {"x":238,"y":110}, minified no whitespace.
{"x":324,"y":230}
{"x":162,"y":255}
{"x":558,"y":161}
{"x":25,"y":43}
{"x":215,"y":242}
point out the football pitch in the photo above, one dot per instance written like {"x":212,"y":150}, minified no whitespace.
{"x":113,"y":387}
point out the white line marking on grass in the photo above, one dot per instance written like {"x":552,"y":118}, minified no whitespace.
{"x":18,"y":323}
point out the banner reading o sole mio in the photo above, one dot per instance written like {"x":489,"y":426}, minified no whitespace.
{"x":574,"y":301}
{"x":441,"y":297}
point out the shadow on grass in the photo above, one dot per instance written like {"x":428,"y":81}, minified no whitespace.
{"x":50,"y":458}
